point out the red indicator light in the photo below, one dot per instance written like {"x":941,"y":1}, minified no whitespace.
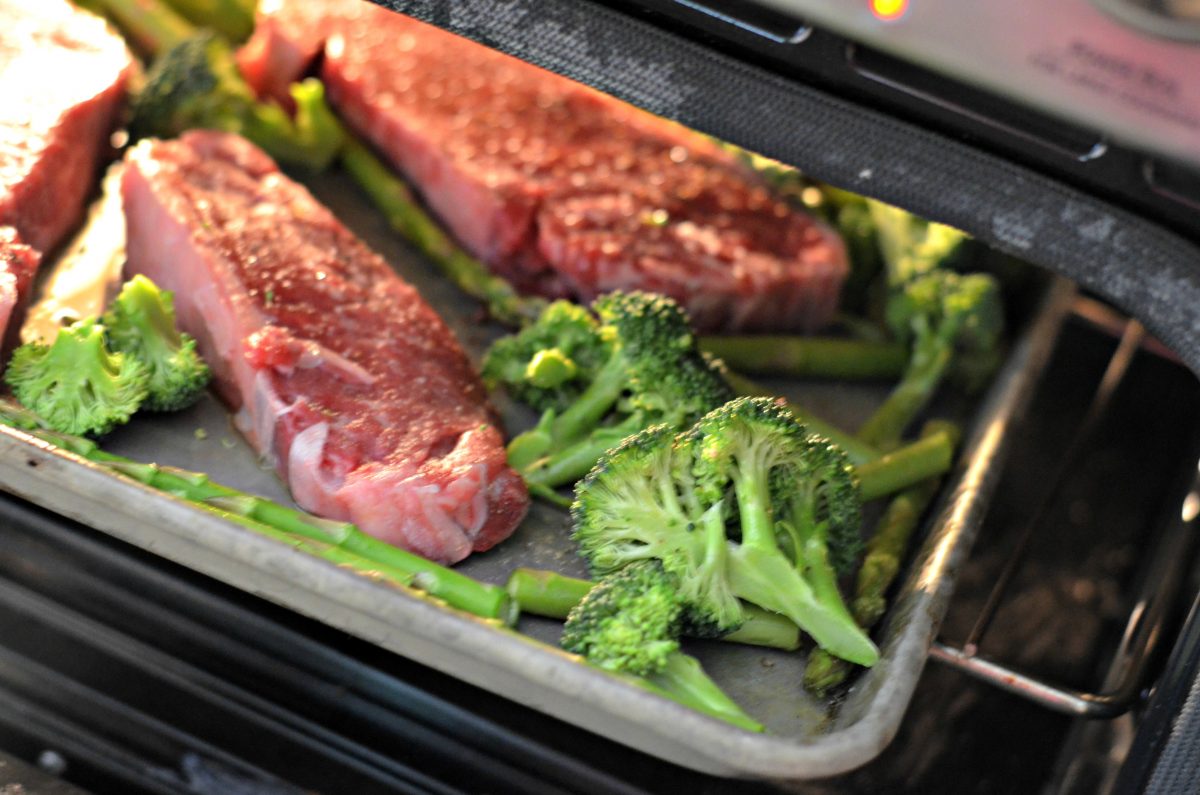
{"x":889,"y":10}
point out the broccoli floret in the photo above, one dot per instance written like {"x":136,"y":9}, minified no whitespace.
{"x":549,"y":364}
{"x":141,"y":324}
{"x":640,"y":503}
{"x":76,"y":384}
{"x":911,"y":246}
{"x":196,"y":84}
{"x":745,"y":505}
{"x":629,"y":624}
{"x":599,"y":377}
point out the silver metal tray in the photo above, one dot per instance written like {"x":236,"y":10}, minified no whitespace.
{"x":807,"y":738}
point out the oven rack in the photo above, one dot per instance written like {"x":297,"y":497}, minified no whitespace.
{"x":1149,"y":617}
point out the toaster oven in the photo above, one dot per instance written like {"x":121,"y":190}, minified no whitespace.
{"x":1065,"y":660}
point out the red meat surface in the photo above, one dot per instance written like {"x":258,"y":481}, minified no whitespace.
{"x":18,"y":264}
{"x":562,"y":189}
{"x":336,"y":367}
{"x":62,"y":76}
{"x":62,"y":79}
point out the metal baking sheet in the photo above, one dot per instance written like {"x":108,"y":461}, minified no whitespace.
{"x":806,"y":737}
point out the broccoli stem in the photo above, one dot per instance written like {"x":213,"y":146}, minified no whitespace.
{"x":453,"y":588}
{"x":149,"y":25}
{"x":576,"y":460}
{"x":809,"y":357}
{"x":568,"y":433}
{"x":878,"y":474}
{"x":395,"y":200}
{"x":550,"y":594}
{"x":312,"y":137}
{"x":764,"y":628}
{"x":885,"y":551}
{"x":931,"y":359}
{"x":684,"y":681}
{"x":858,"y":451}
{"x":928,"y":456}
{"x":759,"y":573}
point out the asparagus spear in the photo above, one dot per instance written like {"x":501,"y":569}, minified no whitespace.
{"x":812,"y":357}
{"x":395,"y":200}
{"x":550,"y":594}
{"x":859,"y":452}
{"x":881,"y":564}
{"x":340,"y":542}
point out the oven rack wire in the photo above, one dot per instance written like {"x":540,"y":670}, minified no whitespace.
{"x":1148,"y":620}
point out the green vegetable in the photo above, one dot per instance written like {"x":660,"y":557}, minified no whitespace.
{"x":550,"y":594}
{"x":629,"y":624}
{"x":76,"y":383}
{"x":196,"y":84}
{"x":809,"y":357}
{"x":233,"y":19}
{"x":599,"y":378}
{"x":140,"y":323}
{"x":342,"y":541}
{"x":859,"y":451}
{"x":885,"y":552}
{"x":948,"y":320}
{"x":747,"y":466}
{"x":911,"y":246}
{"x":404,"y":213}
{"x":148,"y":25}
{"x":944,"y":315}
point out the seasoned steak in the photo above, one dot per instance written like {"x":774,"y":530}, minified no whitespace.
{"x":62,"y":78}
{"x":560,"y":188}
{"x":18,"y":264}
{"x":336,"y":367}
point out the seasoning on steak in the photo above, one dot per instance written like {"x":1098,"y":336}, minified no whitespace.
{"x":558,"y":187}
{"x":336,"y":367}
{"x":62,"y":78}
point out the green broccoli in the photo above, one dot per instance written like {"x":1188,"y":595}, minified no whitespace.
{"x":196,"y":83}
{"x":629,"y":624}
{"x":911,"y":246}
{"x":598,"y":379}
{"x":233,"y":19}
{"x":141,"y":323}
{"x":76,"y":384}
{"x":641,"y":502}
{"x":951,"y":322}
{"x":549,"y":364}
{"x":748,"y":469}
{"x":944,"y":316}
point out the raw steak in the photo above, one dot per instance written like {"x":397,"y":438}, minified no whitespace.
{"x":18,"y":264}
{"x":62,"y":78}
{"x":336,"y":367}
{"x":560,"y":188}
